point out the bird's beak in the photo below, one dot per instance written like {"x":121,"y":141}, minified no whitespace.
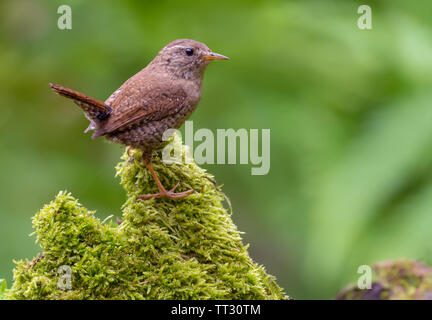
{"x":215,"y":56}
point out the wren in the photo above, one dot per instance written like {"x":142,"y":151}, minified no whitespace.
{"x":161,"y":96}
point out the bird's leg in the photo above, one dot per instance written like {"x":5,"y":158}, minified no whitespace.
{"x":163,"y":193}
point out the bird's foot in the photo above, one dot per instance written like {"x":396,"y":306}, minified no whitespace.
{"x":167,"y":194}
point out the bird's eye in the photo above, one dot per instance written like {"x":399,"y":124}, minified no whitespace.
{"x":189,"y":51}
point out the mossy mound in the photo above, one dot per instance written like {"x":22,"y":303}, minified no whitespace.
{"x":394,"y":280}
{"x":163,"y":249}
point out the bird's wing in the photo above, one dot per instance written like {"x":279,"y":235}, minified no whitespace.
{"x":142,"y":107}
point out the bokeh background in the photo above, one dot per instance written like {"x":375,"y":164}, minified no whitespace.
{"x":349,"y":111}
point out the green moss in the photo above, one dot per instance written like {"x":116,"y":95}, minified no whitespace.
{"x":3,"y":288}
{"x":163,"y":249}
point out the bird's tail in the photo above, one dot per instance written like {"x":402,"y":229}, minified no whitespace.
{"x":96,"y":111}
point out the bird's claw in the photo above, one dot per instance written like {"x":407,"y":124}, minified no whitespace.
{"x":175,"y":187}
{"x":167,"y":194}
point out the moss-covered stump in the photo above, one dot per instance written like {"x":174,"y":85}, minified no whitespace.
{"x":163,"y":249}
{"x":394,"y":280}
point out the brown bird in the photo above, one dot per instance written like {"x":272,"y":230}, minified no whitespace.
{"x":159,"y":97}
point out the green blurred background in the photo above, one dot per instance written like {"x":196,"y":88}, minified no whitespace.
{"x":349,"y":111}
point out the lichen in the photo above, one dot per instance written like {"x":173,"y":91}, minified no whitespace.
{"x":163,"y":249}
{"x":394,"y":280}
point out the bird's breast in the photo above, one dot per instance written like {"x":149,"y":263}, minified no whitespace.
{"x":193,"y":90}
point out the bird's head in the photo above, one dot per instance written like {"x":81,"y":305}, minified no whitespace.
{"x":185,"y":58}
